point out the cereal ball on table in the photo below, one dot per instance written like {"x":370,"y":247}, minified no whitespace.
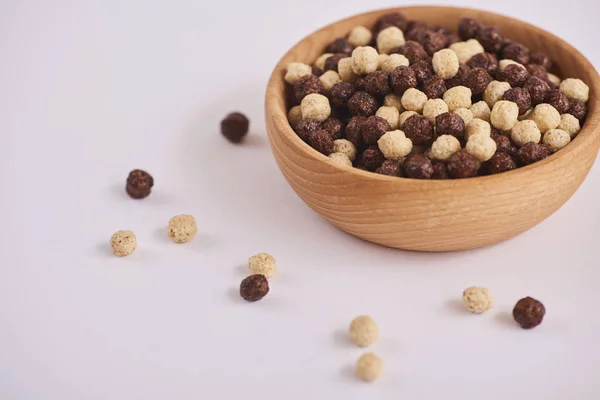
{"x":556,"y":139}
{"x":254,"y":287}
{"x":504,"y":115}
{"x":481,"y":110}
{"x":123,"y":243}
{"x":389,"y":38}
{"x":478,"y":127}
{"x":390,"y":168}
{"x":315,"y":106}
{"x":465,"y":114}
{"x":360,"y":36}
{"x":394,"y":145}
{"x":569,"y":124}
{"x":481,"y":146}
{"x":545,"y":116}
{"x":524,"y":132}
{"x":182,"y":228}
{"x":477,"y":299}
{"x":393,"y":100}
{"x":363,"y":331}
{"x":369,"y":367}
{"x":443,"y":147}
{"x":340,"y":158}
{"x":262,"y":263}
{"x":529,"y":312}
{"x":393,"y":61}
{"x":364,"y":60}
{"x":345,"y":70}
{"x":346,"y":147}
{"x":296,"y":71}
{"x":575,"y":89}
{"x":329,"y":78}
{"x":390,"y":114}
{"x":433,"y":108}
{"x":139,"y":184}
{"x":494,"y":92}
{"x":294,"y":116}
{"x":413,"y":100}
{"x":458,"y":97}
{"x":445,"y":63}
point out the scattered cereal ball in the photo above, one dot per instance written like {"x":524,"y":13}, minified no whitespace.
{"x":345,"y":70}
{"x":369,"y":367}
{"x":389,"y":38}
{"x":320,"y":62}
{"x":450,"y":124}
{"x":545,"y":116}
{"x":481,"y":146}
{"x":494,"y":92}
{"x":254,"y":287}
{"x":477,"y":299}
{"x":413,"y":100}
{"x":554,"y":79}
{"x":362,"y":103}
{"x":458,"y":97}
{"x":463,"y":165}
{"x":505,"y":63}
{"x":465,"y":113}
{"x":392,"y":62}
{"x":364,"y":60}
{"x":417,"y":166}
{"x":360,"y":36}
{"x":393,"y":100}
{"x":481,"y":110}
{"x":569,"y":124}
{"x":390,"y":114}
{"x":478,"y":127}
{"x":433,"y":108}
{"x":262,"y":263}
{"x":363,"y":331}
{"x":329,"y":78}
{"x":315,"y":106}
{"x":443,"y":147}
{"x":504,"y":115}
{"x":445,"y":63}
{"x":529,"y":312}
{"x":123,"y":243}
{"x":556,"y":139}
{"x":532,"y":152}
{"x":575,"y":89}
{"x":465,"y":50}
{"x":346,"y":147}
{"x":295,"y":71}
{"x":294,"y":116}
{"x":182,"y":228}
{"x":139,"y":184}
{"x":405,"y":115}
{"x":525,"y":131}
{"x":394,"y":145}
{"x":340,"y":158}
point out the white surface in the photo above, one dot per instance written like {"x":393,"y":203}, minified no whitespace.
{"x":91,"y":90}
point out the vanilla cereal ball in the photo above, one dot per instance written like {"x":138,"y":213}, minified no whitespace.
{"x":465,"y":50}
{"x":506,"y":62}
{"x":477,"y":299}
{"x":360,"y":36}
{"x":575,"y":89}
{"x":320,"y":62}
{"x":481,"y":146}
{"x":443,"y":147}
{"x":478,"y":127}
{"x":545,"y":116}
{"x":494,"y":92}
{"x":389,"y":38}
{"x":262,"y":263}
{"x":569,"y":124}
{"x":315,"y":106}
{"x":345,"y":70}
{"x":340,"y":158}
{"x":123,"y":243}
{"x":465,"y":113}
{"x":404,"y":116}
{"x":294,"y":116}
{"x":381,"y":58}
{"x":392,"y":62}
{"x":394,"y":145}
{"x":554,"y":79}
{"x":393,"y":100}
{"x":296,"y":71}
{"x":329,"y":78}
{"x":556,"y":139}
{"x":363,"y":331}
{"x":504,"y":115}
{"x":433,"y":108}
{"x":445,"y":63}
{"x":346,"y":147}
{"x":390,"y":114}
{"x":413,"y":100}
{"x":364,"y":60}
{"x":524,"y":132}
{"x":458,"y":97}
{"x":481,"y":110}
{"x":369,"y":367}
{"x":182,"y":228}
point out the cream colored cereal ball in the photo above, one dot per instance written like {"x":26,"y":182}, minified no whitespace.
{"x":262,"y":263}
{"x":320,"y":62}
{"x":364,"y":60}
{"x":443,"y":147}
{"x":445,"y":63}
{"x":123,"y":243}
{"x":363,"y":331}
{"x":340,"y":158}
{"x":295,"y":116}
{"x":394,"y":145}
{"x":182,"y":228}
{"x":481,"y":146}
{"x":465,"y":113}
{"x":545,"y":116}
{"x":345,"y":70}
{"x":346,"y":147}
{"x":381,"y":58}
{"x":478,"y":127}
{"x":554,"y":79}
{"x":406,"y":115}
{"x":315,"y":106}
{"x":569,"y":124}
{"x":392,"y":62}
{"x":481,"y":110}
{"x":390,"y":114}
{"x":494,"y":92}
{"x":465,"y":50}
{"x":369,"y":367}
{"x":433,"y":108}
{"x":458,"y":97}
{"x":389,"y":38}
{"x":504,"y":115}
{"x":329,"y":78}
{"x":524,"y":132}
{"x":575,"y":89}
{"x":360,"y":36}
{"x":506,"y":62}
{"x":413,"y":100}
{"x":477,"y":299}
{"x":556,"y":139}
{"x":393,"y":100}
{"x":296,"y":71}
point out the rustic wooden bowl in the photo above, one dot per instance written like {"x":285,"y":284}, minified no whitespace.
{"x":444,"y":215}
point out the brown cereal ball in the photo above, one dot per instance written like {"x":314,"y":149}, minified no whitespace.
{"x":306,"y":127}
{"x":334,"y":127}
{"x":417,"y":33}
{"x":558,"y":100}
{"x":529,"y":313}
{"x":541,"y":59}
{"x":372,"y":158}
{"x":520,"y":97}
{"x":501,"y":162}
{"x":139,"y":184}
{"x":123,"y":243}
{"x":353,"y":131}
{"x":575,"y":88}
{"x":538,"y":70}
{"x":485,"y":61}
{"x":556,"y":139}
{"x":331,"y":63}
{"x":182,"y":228}
{"x":504,"y":115}
{"x":417,"y":166}
{"x":504,"y":145}
{"x":468,"y":28}
{"x":362,"y":103}
{"x":445,"y":63}
{"x":254,"y":287}
{"x":396,"y":19}
{"x":433,"y":42}
{"x":457,"y":80}
{"x":532,"y":152}
{"x":440,"y":170}
{"x":377,"y":83}
{"x":403,"y":78}
{"x":413,"y":51}
{"x":490,"y":38}
{"x":463,"y":165}
{"x":458,"y":97}
{"x":317,"y":71}
{"x":340,"y":46}
{"x":340,"y":93}
{"x":306,"y":85}
{"x":514,"y":74}
{"x":434,"y":87}
{"x":517,"y":52}
{"x":569,"y":124}
{"x":578,"y":109}
{"x":389,"y":167}
{"x":537,"y":88}
{"x":423,"y":71}
{"x":404,"y":116}
{"x":477,"y":79}
{"x":373,"y":128}
{"x":450,"y":124}
{"x":545,"y":116}
{"x":418,"y":129}
{"x":321,"y":141}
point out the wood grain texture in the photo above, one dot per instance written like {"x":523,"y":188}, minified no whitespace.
{"x":445,"y":215}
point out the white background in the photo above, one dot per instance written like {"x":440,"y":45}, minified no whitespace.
{"x":92,"y":89}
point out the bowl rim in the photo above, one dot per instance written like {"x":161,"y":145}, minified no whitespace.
{"x":276,"y":109}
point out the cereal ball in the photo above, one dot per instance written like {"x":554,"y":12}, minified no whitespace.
{"x":478,"y":127}
{"x":394,"y":145}
{"x":390,"y":114}
{"x":340,"y":158}
{"x":262,"y":263}
{"x":340,"y":45}
{"x":363,"y":331}
{"x":294,"y":116}
{"x":481,"y":110}
{"x":364,"y":60}
{"x":321,"y":141}
{"x":486,"y":61}
{"x":353,"y":130}
{"x":444,"y":146}
{"x":372,"y":158}
{"x":345,"y":70}
{"x":393,"y":100}
{"x":254,"y":287}
{"x":138,"y":184}
{"x":423,"y":71}
{"x":306,"y":127}
{"x":504,"y":115}
{"x":463,"y":165}
{"x":556,"y":139}
{"x":123,"y":243}
{"x":458,"y":97}
{"x":575,"y":89}
{"x":468,"y":28}
{"x":295,"y":71}
{"x":465,"y":50}
{"x":362,"y":103}
{"x":537,"y":70}
{"x":504,"y":145}
{"x":315,"y":106}
{"x":514,"y":74}
{"x":329,"y":78}
{"x":501,"y":162}
{"x":491,"y":38}
{"x":402,"y":78}
{"x":434,"y":87}
{"x":332,"y":62}
{"x":553,"y":79}
{"x":440,"y":170}
{"x":182,"y":228}
{"x":477,"y":79}
{"x":334,"y":127}
{"x":520,"y":97}
{"x":373,"y":128}
{"x":541,"y":59}
{"x":405,"y":115}
{"x":517,"y":52}
{"x":537,"y":88}
{"x":418,"y":129}
{"x":417,"y":166}
{"x":529,"y":313}
{"x":389,"y":38}
{"x":505,"y":63}
{"x":494,"y":92}
{"x":340,"y":93}
{"x":390,"y":168}
{"x":532,"y":152}
{"x":477,"y":299}
{"x":545,"y":116}
{"x":445,"y":63}
{"x":578,"y":109}
{"x":525,"y":131}
{"x":481,"y":146}
{"x":381,"y":58}
{"x":466,"y":114}
{"x":433,"y":42}
{"x":569,"y":124}
{"x":377,"y":83}
{"x":558,"y":100}
{"x":369,"y":367}
{"x":433,"y":108}
{"x":393,"y":61}
{"x":457,"y":80}
{"x":316,"y":71}
{"x":396,"y":19}
{"x":450,"y":124}
{"x":306,"y":85}
{"x":320,"y":62}
{"x":414,"y":51}
{"x":360,"y":36}
{"x":344,"y":146}
{"x":413,"y":100}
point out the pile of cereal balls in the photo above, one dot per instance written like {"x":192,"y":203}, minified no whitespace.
{"x":417,"y":101}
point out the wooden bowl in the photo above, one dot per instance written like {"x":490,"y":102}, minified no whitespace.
{"x":434,"y":215}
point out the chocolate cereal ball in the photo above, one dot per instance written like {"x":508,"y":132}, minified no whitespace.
{"x":558,"y":100}
{"x":389,"y":167}
{"x":541,"y":59}
{"x":377,"y":83}
{"x":402,"y":78}
{"x":418,"y":129}
{"x":440,"y":170}
{"x":490,"y":38}
{"x":463,"y":165}
{"x":538,"y":70}
{"x":513,"y":74}
{"x":139,"y":184}
{"x":306,"y":127}
{"x":578,"y":109}
{"x":501,"y":162}
{"x":468,"y":28}
{"x":434,"y":87}
{"x":521,"y":97}
{"x":362,"y":103}
{"x":532,"y":152}
{"x":340,"y":93}
{"x":234,"y":127}
{"x":334,"y":127}
{"x":433,"y":42}
{"x":254,"y":287}
{"x":457,"y":80}
{"x":423,"y":71}
{"x":529,"y":312}
{"x":353,"y":131}
{"x":477,"y":80}
{"x":372,"y":158}
{"x":450,"y":124}
{"x":537,"y":88}
{"x":340,"y":46}
{"x":373,"y":128}
{"x":331,"y":63}
{"x":486,"y":61}
{"x":516,"y":52}
{"x":417,"y":166}
{"x":504,"y":145}
{"x":396,"y":19}
{"x":413,"y":51}
{"x":306,"y":85}
{"x":321,"y":141}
